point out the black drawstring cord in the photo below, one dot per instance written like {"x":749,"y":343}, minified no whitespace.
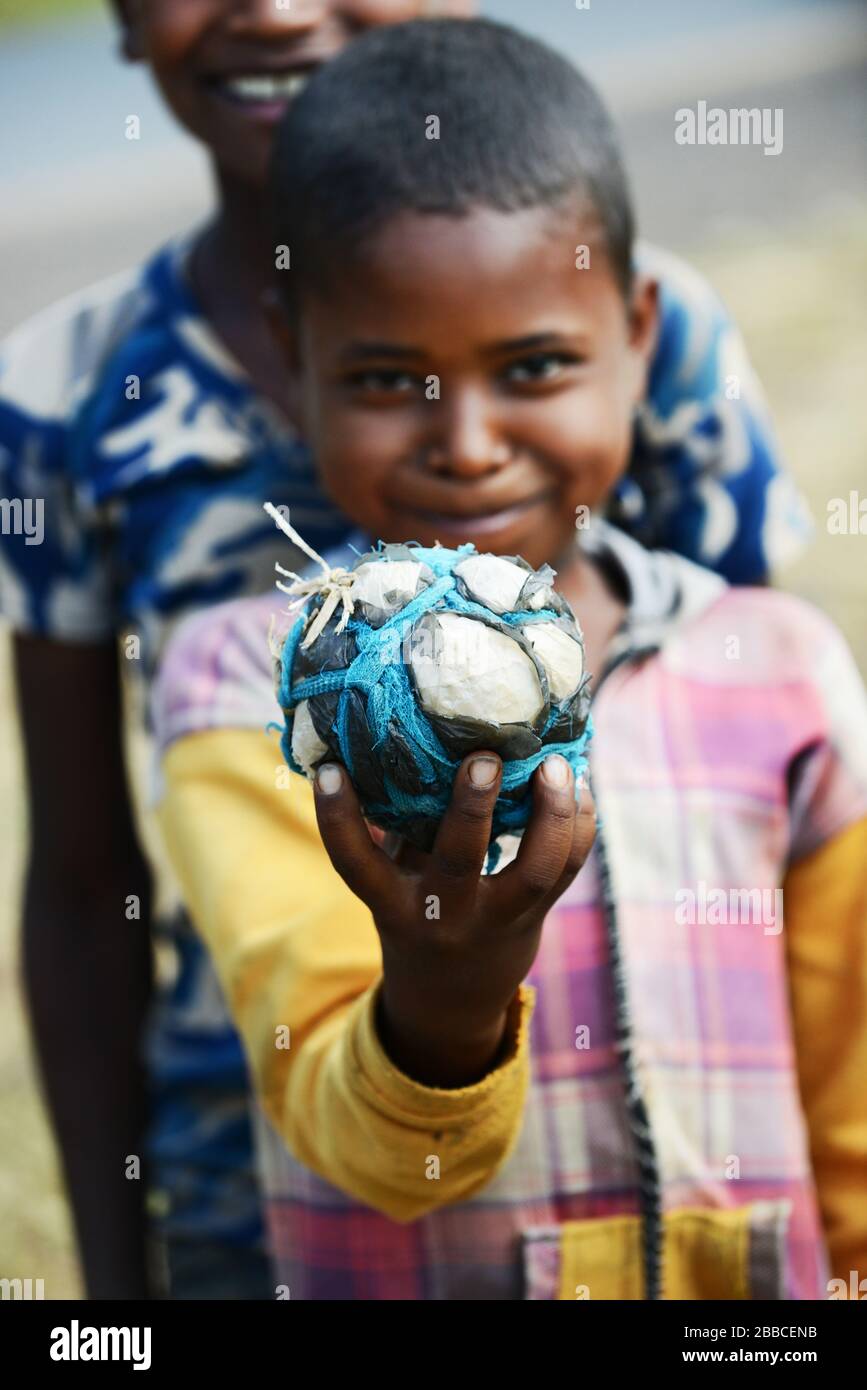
{"x":649,"y":1183}
{"x":649,"y":1186}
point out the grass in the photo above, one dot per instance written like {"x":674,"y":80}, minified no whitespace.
{"x":797,"y":302}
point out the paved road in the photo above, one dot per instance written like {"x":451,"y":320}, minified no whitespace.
{"x":79,"y":200}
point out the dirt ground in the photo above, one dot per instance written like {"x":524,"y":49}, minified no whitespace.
{"x":799,"y":302}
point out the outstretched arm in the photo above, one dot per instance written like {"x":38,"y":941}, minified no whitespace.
{"x":364,"y":1071}
{"x":87,"y":966}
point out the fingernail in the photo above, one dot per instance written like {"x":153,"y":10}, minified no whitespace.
{"x":483,"y":772}
{"x":329,"y":779}
{"x":555,"y":771}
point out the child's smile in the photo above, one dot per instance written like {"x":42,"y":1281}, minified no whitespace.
{"x":261,"y":93}
{"x":230,"y":68}
{"x":461,"y":379}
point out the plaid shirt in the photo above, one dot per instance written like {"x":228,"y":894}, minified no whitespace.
{"x":731,"y":743}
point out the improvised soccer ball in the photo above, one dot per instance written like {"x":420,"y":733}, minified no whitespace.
{"x":415,"y":657}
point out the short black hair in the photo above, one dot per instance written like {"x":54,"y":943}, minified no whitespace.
{"x":519,"y":128}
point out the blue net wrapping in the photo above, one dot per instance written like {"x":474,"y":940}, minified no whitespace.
{"x":377,"y":728}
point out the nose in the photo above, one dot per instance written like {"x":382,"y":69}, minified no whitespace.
{"x":466,"y":442}
{"x":269,"y":18}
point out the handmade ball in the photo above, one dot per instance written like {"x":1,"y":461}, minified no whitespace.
{"x":401,"y":666}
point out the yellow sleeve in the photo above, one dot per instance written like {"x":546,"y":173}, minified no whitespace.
{"x":296,"y":950}
{"x":825,"y":901}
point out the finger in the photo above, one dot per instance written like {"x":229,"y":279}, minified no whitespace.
{"x":406,"y":855}
{"x":464,"y":833}
{"x":583,"y":837}
{"x":546,"y":845}
{"x":363,"y":865}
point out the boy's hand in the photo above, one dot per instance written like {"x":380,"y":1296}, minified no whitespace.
{"x":456,"y":945}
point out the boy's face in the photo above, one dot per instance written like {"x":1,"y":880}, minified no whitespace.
{"x":463,"y":380}
{"x":229,"y":68}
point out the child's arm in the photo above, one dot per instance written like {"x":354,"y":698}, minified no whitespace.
{"x":448,"y":980}
{"x":86,"y":967}
{"x":370,"y":1058}
{"x":825,"y":898}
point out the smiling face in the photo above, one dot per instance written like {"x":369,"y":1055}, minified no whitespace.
{"x":463,"y":381}
{"x":229,"y":68}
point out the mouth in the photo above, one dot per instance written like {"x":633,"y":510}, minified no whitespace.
{"x":262,"y":96}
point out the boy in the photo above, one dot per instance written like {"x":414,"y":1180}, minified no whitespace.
{"x":145,"y":415}
{"x":638,"y":1103}
{"x":148,"y":415}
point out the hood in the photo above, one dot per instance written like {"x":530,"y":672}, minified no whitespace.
{"x":662,"y":591}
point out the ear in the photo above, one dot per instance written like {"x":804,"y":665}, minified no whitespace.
{"x":131,"y":39}
{"x":285,"y":337}
{"x":643,"y":329}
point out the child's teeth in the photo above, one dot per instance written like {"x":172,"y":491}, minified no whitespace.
{"x":262,"y":87}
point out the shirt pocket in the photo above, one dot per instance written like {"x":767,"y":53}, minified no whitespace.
{"x":708,"y":1253}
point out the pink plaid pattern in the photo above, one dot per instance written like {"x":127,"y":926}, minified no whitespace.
{"x":704,"y":768}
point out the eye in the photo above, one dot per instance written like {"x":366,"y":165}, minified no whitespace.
{"x":383,"y":381}
{"x":539,"y":368}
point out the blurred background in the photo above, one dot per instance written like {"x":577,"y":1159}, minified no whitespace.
{"x":783,"y":239}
